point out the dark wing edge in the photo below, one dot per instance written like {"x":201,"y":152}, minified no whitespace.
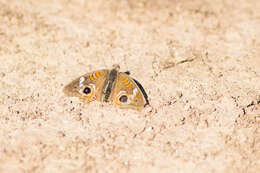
{"x":143,"y":91}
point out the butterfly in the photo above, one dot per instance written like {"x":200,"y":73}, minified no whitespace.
{"x":109,"y":86}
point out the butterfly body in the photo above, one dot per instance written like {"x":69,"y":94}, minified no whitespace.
{"x":108,"y":86}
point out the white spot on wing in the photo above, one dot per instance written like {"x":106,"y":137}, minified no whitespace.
{"x":134,"y":93}
{"x":93,"y":86}
{"x":81,"y":80}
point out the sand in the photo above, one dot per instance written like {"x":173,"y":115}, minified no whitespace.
{"x":198,"y":61}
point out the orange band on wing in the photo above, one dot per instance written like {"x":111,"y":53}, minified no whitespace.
{"x":97,"y":74}
{"x":125,"y":80}
{"x":128,"y":85}
{"x":91,"y":77}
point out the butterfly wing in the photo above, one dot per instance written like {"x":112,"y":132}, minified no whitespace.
{"x":128,"y":93}
{"x":87,"y":87}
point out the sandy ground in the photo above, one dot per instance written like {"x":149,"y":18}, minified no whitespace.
{"x":198,"y":61}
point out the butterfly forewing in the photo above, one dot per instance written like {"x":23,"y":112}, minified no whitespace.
{"x":127,"y":94}
{"x":87,"y":87}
